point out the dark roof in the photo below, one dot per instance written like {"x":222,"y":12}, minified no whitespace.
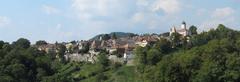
{"x":183,"y":22}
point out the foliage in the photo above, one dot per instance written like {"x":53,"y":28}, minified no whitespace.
{"x":193,"y":30}
{"x":41,"y":42}
{"x":106,"y":37}
{"x":175,"y":39}
{"x":22,"y":43}
{"x":114,"y":36}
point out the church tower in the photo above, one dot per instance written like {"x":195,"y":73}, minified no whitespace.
{"x":183,"y":26}
{"x":173,"y":30}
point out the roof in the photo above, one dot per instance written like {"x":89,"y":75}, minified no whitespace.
{"x":182,"y":30}
{"x":183,"y":22}
{"x":95,"y":44}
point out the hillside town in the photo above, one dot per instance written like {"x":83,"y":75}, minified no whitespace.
{"x":118,"y":49}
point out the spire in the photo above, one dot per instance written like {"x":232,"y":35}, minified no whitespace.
{"x":184,"y":22}
{"x":174,"y":29}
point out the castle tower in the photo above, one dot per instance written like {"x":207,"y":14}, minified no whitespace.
{"x":173,"y":30}
{"x":100,"y":38}
{"x":184,"y":25}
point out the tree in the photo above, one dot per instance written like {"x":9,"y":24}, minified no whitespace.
{"x":185,"y":42}
{"x":210,"y":71}
{"x":102,"y":62}
{"x":153,"y":56}
{"x":140,"y":56}
{"x":140,"y":59}
{"x":85,"y":48}
{"x":163,"y":45}
{"x":101,"y":77}
{"x":106,"y":37}
{"x":41,"y":42}
{"x":41,"y":73}
{"x":175,"y":39}
{"x":232,"y":73}
{"x":1,"y":44}
{"x":221,"y":27}
{"x":132,"y":35}
{"x":114,"y":36}
{"x":73,"y":42}
{"x":61,"y":52}
{"x":238,"y":45}
{"x":22,"y":42}
{"x":193,"y":30}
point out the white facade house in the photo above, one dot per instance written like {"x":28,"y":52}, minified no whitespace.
{"x":128,"y":55}
{"x":143,"y":43}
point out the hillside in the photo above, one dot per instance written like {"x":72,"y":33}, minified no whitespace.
{"x":211,"y":56}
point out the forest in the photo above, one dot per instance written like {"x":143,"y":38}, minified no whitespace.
{"x":211,"y":56}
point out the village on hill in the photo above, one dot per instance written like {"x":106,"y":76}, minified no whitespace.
{"x":181,"y":53}
{"x":118,"y":49}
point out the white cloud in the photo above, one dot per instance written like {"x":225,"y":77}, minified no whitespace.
{"x":223,"y":12}
{"x":101,"y":16}
{"x":224,"y":16}
{"x":90,"y":9}
{"x":142,"y":2}
{"x":138,"y":17}
{"x":4,"y":21}
{"x":59,"y":26}
{"x":167,"y":6}
{"x":59,"y":32}
{"x":201,"y":12}
{"x":213,"y":23}
{"x":62,"y":33}
{"x":50,"y":9}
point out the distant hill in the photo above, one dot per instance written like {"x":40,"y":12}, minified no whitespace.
{"x":118,"y":35}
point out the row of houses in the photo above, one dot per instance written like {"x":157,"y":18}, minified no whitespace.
{"x":122,"y":46}
{"x":82,"y":51}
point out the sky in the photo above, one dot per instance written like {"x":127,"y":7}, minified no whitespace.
{"x":67,"y":20}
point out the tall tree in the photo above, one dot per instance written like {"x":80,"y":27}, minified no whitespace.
{"x":193,"y":30}
{"x":22,"y":42}
{"x":114,"y":36}
{"x":175,"y":39}
{"x":61,"y":52}
{"x":106,"y":37}
{"x":163,"y":45}
{"x":153,"y":56}
{"x":103,"y":61}
{"x":1,"y":44}
{"x":41,"y":42}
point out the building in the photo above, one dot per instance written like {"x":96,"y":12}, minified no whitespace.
{"x":143,"y":41}
{"x":182,"y":31}
{"x":48,"y":48}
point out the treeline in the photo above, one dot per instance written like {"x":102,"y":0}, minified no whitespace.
{"x":19,"y":62}
{"x":22,"y":62}
{"x":211,"y":56}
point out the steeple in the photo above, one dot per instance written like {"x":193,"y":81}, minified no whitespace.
{"x":173,"y":30}
{"x":184,"y":22}
{"x":184,"y":25}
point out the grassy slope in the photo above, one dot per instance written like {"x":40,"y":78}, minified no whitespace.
{"x":122,"y":74}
